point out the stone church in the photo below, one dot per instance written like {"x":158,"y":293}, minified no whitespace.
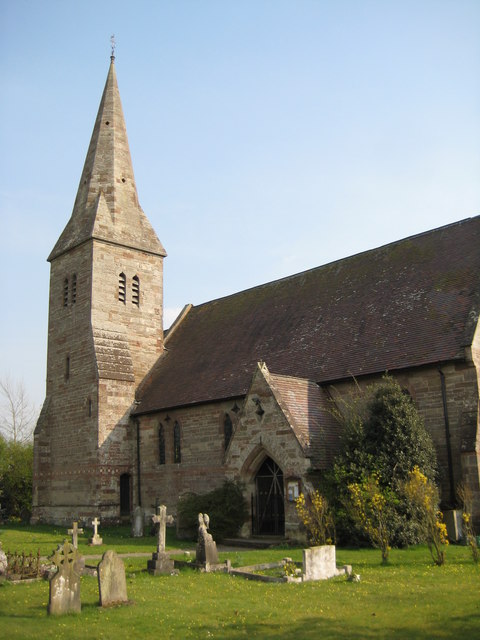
{"x":238,"y":387}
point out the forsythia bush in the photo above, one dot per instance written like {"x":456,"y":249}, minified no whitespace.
{"x":370,"y":508}
{"x":465,"y":495}
{"x":424,"y":495}
{"x":315,"y":515}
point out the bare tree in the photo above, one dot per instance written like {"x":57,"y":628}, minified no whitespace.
{"x":18,"y":414}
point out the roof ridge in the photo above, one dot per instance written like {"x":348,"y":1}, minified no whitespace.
{"x":338,"y":260}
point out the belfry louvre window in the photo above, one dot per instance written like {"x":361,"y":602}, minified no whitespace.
{"x":122,"y":287}
{"x":74,"y":288}
{"x":65,"y":292}
{"x":161,"y":445}
{"x":136,"y":290}
{"x":177,"y":448}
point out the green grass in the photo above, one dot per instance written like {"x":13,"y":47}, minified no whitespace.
{"x":409,"y":598}
{"x":18,"y":537}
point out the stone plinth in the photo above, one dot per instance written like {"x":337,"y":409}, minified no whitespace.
{"x":319,"y":563}
{"x":160,"y":564}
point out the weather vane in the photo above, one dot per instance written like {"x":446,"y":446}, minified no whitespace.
{"x":113,"y":43}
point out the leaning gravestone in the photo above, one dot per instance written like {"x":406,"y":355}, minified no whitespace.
{"x":112,"y":584}
{"x":161,"y":562}
{"x":65,"y":584}
{"x":137,"y":523}
{"x":206,"y":547}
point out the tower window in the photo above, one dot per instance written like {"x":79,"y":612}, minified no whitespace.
{"x":65,"y":292}
{"x":67,"y":368}
{"x":177,"y":449}
{"x":161,"y":445}
{"x":227,"y":430}
{"x":74,"y":288}
{"x":122,"y":287}
{"x":136,"y":290}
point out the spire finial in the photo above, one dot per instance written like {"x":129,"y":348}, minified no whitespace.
{"x":113,"y":43}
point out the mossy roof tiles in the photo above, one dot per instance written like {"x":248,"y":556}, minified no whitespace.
{"x":410,"y":303}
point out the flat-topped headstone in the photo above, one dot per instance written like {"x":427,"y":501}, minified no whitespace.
{"x":206,"y":547}
{"x":161,"y":562}
{"x":3,"y":562}
{"x":95,"y":539}
{"x":319,"y":562}
{"x":137,"y":522}
{"x":112,"y":584}
{"x":65,"y":584}
{"x":74,"y":531}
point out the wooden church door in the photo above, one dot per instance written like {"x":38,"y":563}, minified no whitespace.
{"x":269,"y":502}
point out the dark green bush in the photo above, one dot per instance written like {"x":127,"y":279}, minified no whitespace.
{"x":225,"y":506}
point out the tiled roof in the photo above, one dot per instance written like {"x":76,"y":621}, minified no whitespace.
{"x":409,"y":303}
{"x":306,"y":405}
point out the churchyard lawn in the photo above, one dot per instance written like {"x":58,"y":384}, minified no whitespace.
{"x":408,"y":598}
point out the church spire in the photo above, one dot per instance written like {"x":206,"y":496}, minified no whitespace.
{"x":106,"y":206}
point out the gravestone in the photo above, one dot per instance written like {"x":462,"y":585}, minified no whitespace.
{"x":161,"y":562}
{"x":112,"y":584}
{"x":95,"y":540}
{"x":206,"y":547}
{"x":319,"y":563}
{"x":65,"y":584}
{"x":3,"y":563}
{"x":74,"y":531}
{"x":137,"y":523}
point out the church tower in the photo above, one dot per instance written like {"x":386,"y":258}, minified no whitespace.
{"x":105,"y":332}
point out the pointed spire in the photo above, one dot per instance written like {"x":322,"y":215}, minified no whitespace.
{"x":106,"y":206}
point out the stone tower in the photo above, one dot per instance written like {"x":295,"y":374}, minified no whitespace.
{"x":105,"y":332}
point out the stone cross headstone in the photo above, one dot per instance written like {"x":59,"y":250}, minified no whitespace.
{"x":95,"y":539}
{"x":65,"y":584}
{"x":137,"y":522}
{"x":74,"y":531}
{"x":112,"y":584}
{"x":206,"y":547}
{"x":160,"y":562}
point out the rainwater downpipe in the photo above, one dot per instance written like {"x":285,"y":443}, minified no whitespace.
{"x":447,"y":439}
{"x":137,"y":422}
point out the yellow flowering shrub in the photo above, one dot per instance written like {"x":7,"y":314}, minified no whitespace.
{"x":424,"y":495}
{"x":465,"y":495}
{"x":316,"y":517}
{"x":370,"y":509}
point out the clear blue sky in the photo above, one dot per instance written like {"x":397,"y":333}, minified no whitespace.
{"x":267,"y":136}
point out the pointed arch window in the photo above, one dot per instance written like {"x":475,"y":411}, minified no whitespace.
{"x":161,"y":444}
{"x":74,"y":288}
{"x":177,"y":447}
{"x":136,"y":290}
{"x":227,"y":430}
{"x":122,"y":287}
{"x":65,"y":292}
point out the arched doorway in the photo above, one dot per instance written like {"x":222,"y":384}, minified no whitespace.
{"x":269,"y":510}
{"x":125,"y":494}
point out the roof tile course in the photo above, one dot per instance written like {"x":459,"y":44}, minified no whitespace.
{"x":409,"y":303}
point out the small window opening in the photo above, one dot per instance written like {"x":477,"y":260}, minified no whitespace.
{"x":89,"y":406}
{"x":122,"y":287}
{"x":65,"y":292}
{"x":177,"y":452}
{"x":67,"y":368}
{"x":161,"y":444}
{"x":74,"y":288}
{"x":227,"y":430}
{"x":136,"y":290}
